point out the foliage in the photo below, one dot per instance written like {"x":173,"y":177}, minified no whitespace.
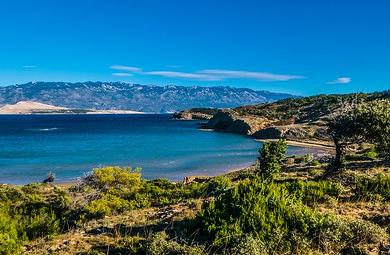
{"x":112,"y":178}
{"x":271,"y":155}
{"x":106,"y":205}
{"x":372,"y":188}
{"x":11,"y":234}
{"x":368,"y":154}
{"x":113,"y":190}
{"x":265,"y":210}
{"x":376,"y":118}
{"x":218,"y":185}
{"x":30,"y":212}
{"x":312,"y":192}
{"x":362,"y":122}
{"x":345,"y":129}
{"x":159,"y":244}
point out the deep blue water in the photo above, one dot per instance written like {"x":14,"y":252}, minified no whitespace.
{"x":71,"y":145}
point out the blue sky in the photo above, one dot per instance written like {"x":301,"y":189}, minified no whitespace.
{"x":303,"y":47}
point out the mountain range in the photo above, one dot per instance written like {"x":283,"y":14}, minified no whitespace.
{"x":126,"y":96}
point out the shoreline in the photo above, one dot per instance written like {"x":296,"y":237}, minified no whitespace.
{"x":79,"y":113}
{"x":227,"y":171}
{"x":304,"y":144}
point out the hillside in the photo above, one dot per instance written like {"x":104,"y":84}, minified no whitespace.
{"x":124,"y":96}
{"x":295,"y":118}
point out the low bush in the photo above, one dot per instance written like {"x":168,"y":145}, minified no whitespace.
{"x":111,"y":190}
{"x":160,"y":244}
{"x":26,"y":213}
{"x":218,"y":185}
{"x":12,"y":235}
{"x":258,"y":217}
{"x":113,"y":179}
{"x":106,"y":205}
{"x":263,"y":209}
{"x":312,"y":192}
{"x":373,"y":188}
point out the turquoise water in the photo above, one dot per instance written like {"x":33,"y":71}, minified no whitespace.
{"x":71,"y":145}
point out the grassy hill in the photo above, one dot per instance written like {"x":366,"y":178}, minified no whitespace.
{"x":299,"y":119}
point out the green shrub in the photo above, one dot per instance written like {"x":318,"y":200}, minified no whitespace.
{"x":315,"y":163}
{"x":42,"y":222}
{"x":371,"y":154}
{"x":362,"y":232}
{"x":218,"y":185}
{"x":263,"y":209}
{"x":113,"y":179}
{"x":12,"y":236}
{"x":160,"y":244}
{"x":30,"y":212}
{"x":312,"y":192}
{"x":271,"y":155}
{"x":249,"y":245}
{"x":106,"y":205}
{"x":372,"y":188}
{"x":163,"y":192}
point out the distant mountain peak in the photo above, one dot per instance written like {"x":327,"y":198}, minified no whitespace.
{"x":123,"y":96}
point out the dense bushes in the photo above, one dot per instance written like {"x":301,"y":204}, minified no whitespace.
{"x":373,"y":188}
{"x":112,"y":190}
{"x":312,"y":192}
{"x":268,"y":218}
{"x":265,"y":210}
{"x":26,"y":213}
{"x":11,"y":234}
{"x":160,"y":244}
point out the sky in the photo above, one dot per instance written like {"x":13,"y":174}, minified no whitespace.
{"x":303,"y":47}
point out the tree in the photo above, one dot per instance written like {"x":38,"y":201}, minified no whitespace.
{"x":375,"y":117}
{"x":345,"y":128}
{"x":358,"y":123}
{"x":271,"y":155}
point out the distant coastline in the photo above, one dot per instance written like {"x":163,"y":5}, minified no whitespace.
{"x":30,"y":107}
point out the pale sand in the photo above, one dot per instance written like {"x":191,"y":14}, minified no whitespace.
{"x":30,"y":107}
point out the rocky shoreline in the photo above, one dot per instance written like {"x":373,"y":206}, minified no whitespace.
{"x":258,"y":127}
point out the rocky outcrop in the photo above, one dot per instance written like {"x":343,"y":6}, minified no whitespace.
{"x":263,"y":128}
{"x":292,"y":132}
{"x":195,"y":114}
{"x":229,"y":121}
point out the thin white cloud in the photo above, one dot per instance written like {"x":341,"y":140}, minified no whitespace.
{"x":192,"y":76}
{"x":206,"y":75}
{"x":122,"y":74}
{"x":340,"y":80}
{"x":29,"y":66}
{"x":126,"y":68}
{"x":262,"y":76}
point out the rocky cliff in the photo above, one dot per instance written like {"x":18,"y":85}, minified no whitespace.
{"x":294,"y":119}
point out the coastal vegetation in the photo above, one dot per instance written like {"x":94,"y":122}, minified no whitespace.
{"x":311,"y":204}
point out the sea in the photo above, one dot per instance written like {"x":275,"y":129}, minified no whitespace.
{"x":71,"y":146}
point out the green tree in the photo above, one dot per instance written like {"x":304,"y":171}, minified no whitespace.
{"x":375,"y":116}
{"x":271,"y":155}
{"x":345,"y":128}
